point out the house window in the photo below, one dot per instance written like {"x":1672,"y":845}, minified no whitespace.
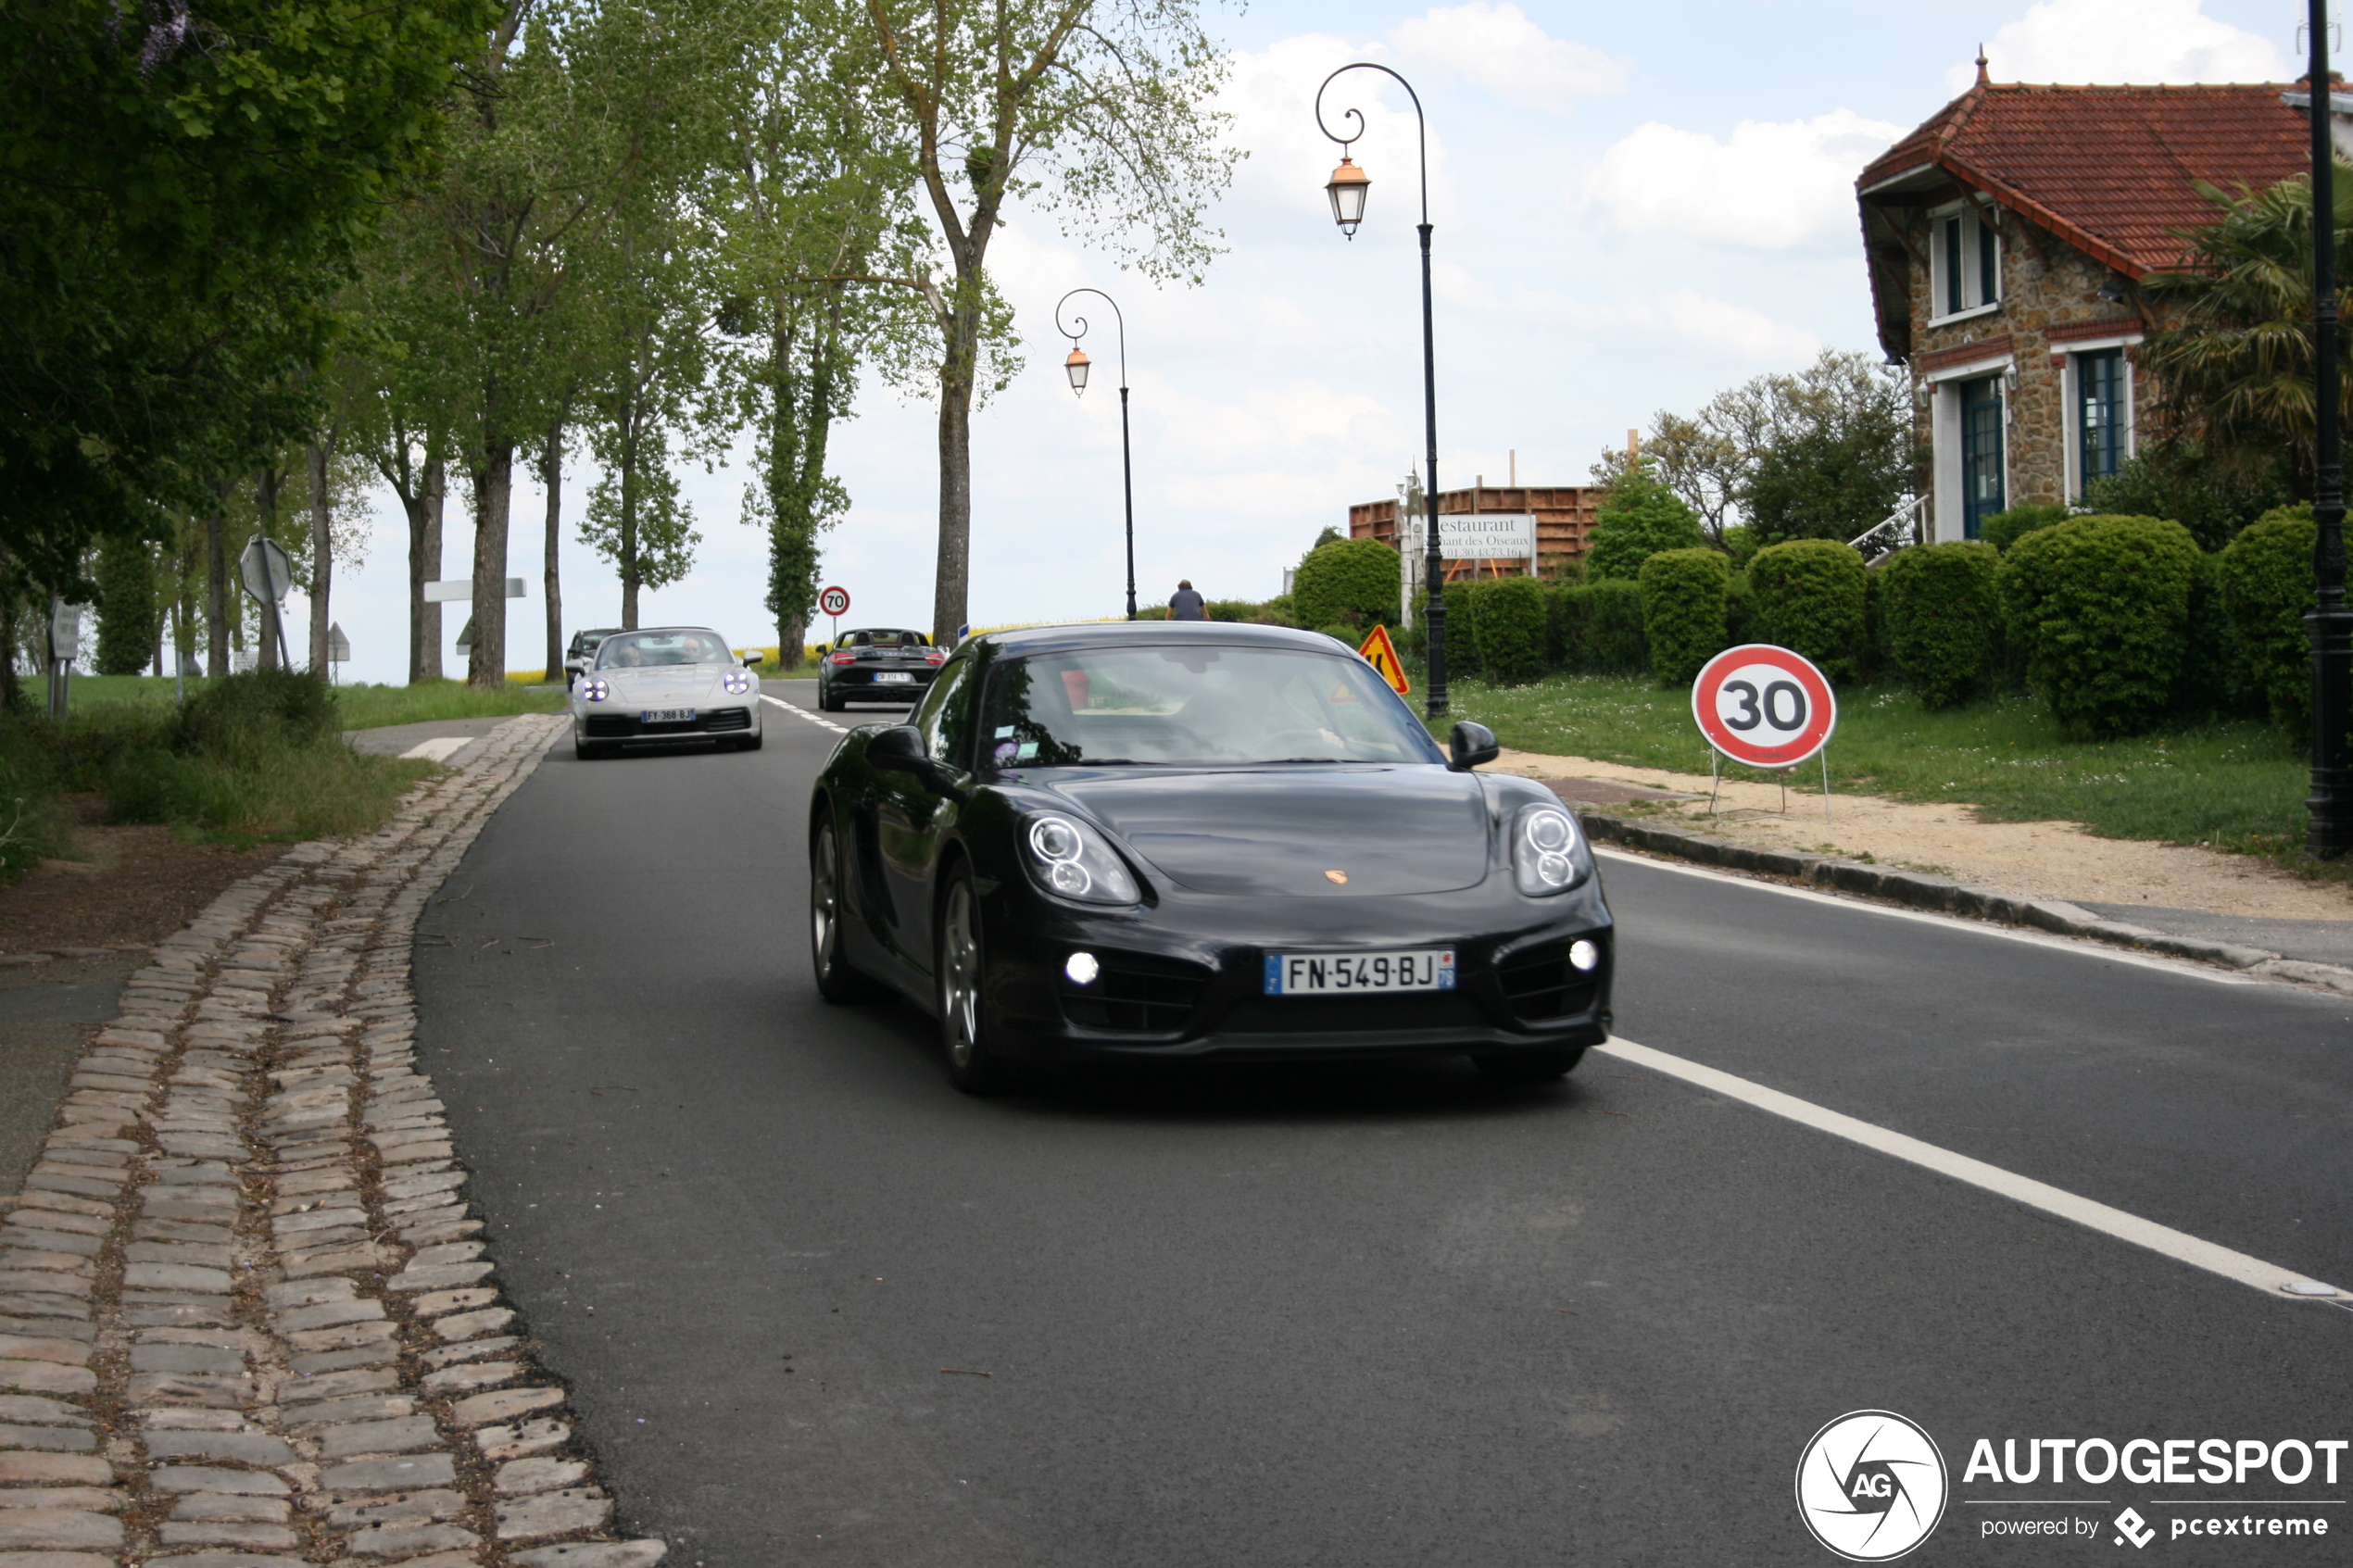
{"x":1983,"y":486}
{"x":1966,"y":262}
{"x":2101,"y":414}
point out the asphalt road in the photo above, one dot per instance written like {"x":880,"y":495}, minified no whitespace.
{"x":1355,"y":1315}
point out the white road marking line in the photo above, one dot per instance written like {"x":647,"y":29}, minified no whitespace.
{"x":2082,"y":947}
{"x":2269,"y":1278}
{"x":804,"y":713}
{"x":440,"y":749}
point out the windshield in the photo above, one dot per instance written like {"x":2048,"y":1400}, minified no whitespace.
{"x":641,"y":650}
{"x":880,"y":640}
{"x":1196,"y":704}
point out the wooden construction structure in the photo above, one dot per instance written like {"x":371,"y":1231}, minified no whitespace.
{"x":1564,"y":522}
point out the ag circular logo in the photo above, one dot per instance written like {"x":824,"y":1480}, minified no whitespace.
{"x":1871,"y":1485}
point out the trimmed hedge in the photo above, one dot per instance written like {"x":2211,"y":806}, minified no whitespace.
{"x":1510,"y":620}
{"x":1349,"y":578}
{"x":1810,"y":599}
{"x":1462,"y":630}
{"x":2005,"y":529}
{"x":1637,"y":518}
{"x":1601,"y":628}
{"x":2102,"y":606}
{"x":1683,"y":620}
{"x":1943,"y":613}
{"x":2264,"y":579}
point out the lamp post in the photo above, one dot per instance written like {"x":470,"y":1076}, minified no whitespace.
{"x":1348,"y":188}
{"x":1075,"y":368}
{"x":2329,"y":831}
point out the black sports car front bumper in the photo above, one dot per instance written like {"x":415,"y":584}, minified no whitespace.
{"x":1186,"y":977}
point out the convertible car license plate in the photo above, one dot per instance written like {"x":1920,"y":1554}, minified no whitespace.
{"x":667,"y":716}
{"x":894,"y":678}
{"x":1327,"y":974}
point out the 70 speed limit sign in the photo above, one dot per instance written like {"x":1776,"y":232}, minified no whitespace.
{"x":1764,"y":706}
{"x":834,"y":601}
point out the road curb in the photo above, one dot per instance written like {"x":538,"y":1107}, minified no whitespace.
{"x":1921,"y":890}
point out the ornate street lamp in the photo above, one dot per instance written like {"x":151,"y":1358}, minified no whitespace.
{"x":1075,"y":368}
{"x":2329,"y":833}
{"x":1348,"y":188}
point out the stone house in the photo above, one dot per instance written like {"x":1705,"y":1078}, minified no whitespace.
{"x":2006,"y":239}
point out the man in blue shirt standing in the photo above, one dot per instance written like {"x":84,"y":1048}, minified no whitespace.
{"x":1186,"y":605}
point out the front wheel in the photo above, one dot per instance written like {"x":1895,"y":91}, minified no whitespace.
{"x":963,"y":969}
{"x":836,"y":982}
{"x":1521,"y":1069}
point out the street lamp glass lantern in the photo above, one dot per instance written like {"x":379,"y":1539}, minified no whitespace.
{"x":1347,"y":188}
{"x":1075,"y":368}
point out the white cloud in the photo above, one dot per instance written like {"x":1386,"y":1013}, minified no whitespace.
{"x":2147,"y":41}
{"x":1499,"y":49}
{"x":1773,"y":185}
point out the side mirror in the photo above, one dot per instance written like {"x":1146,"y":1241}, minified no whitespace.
{"x":1472,"y":745}
{"x":753,"y":661}
{"x":899,"y":749}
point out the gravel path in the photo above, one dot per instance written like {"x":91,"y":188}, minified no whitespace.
{"x":244,"y":1319}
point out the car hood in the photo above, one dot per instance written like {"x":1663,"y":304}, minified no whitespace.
{"x":668,"y":684}
{"x":1279,"y":831}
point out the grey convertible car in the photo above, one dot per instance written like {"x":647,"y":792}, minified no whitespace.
{"x":665,"y":685}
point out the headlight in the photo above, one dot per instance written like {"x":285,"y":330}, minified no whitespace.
{"x":736,"y":682}
{"x":1066,"y":859}
{"x":595,"y":691}
{"x":1547,"y":856}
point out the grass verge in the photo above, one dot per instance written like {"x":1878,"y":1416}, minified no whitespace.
{"x":2235,"y":785}
{"x":360,"y":707}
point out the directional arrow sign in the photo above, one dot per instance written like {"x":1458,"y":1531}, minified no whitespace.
{"x":1382,"y":656}
{"x":1764,"y":706}
{"x":461,"y":591}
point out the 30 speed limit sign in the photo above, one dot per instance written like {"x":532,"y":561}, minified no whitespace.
{"x":1764,"y":706}
{"x":834,"y":601}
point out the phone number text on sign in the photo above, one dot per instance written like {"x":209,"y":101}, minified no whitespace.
{"x":1764,"y":706}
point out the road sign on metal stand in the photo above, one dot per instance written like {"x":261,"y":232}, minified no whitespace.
{"x":836,"y":603}
{"x":338,"y":646}
{"x":267,"y":571}
{"x":1766,"y":708}
{"x":1382,"y":656}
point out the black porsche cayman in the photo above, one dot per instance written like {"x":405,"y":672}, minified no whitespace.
{"x":1191,"y":839}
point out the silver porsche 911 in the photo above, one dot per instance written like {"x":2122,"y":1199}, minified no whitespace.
{"x":663,"y":685}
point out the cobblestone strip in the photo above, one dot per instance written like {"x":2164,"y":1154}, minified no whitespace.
{"x":244,"y":1317}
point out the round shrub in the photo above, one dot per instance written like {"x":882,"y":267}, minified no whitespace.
{"x":2101,"y":607}
{"x":1350,"y":577}
{"x":1683,"y":595}
{"x":1809,"y":599}
{"x":1640,"y":518}
{"x":260,"y":709}
{"x":2265,"y":579}
{"x":2005,"y":529}
{"x":1512,"y":629}
{"x":1941,"y":614}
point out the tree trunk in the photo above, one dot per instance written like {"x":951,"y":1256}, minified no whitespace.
{"x":11,"y":694}
{"x":552,"y":470}
{"x":494,"y":488}
{"x":323,"y":560}
{"x":792,"y":645}
{"x":628,"y":562}
{"x":950,"y":588}
{"x":215,"y":598}
{"x":265,"y":501}
{"x":425,"y":566}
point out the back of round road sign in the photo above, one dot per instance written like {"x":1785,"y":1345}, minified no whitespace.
{"x":1764,"y":706}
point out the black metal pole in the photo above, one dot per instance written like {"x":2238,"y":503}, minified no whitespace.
{"x":1126,"y":473}
{"x":1434,"y":557}
{"x":2330,"y":832}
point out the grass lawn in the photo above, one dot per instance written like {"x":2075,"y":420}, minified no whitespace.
{"x":2236,"y":785}
{"x":359,"y":707}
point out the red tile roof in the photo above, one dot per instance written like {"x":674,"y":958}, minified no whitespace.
{"x":2112,"y":171}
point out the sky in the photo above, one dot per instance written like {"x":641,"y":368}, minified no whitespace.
{"x":1633,"y":207}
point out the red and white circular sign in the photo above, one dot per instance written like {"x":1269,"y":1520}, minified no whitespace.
{"x":834,"y":601}
{"x":1764,"y":706}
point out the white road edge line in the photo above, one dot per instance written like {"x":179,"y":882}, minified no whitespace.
{"x":2269,"y":1278}
{"x":2080,"y":947}
{"x":803,"y":713}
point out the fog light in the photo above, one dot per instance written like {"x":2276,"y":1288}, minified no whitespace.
{"x":1584,"y":955}
{"x":1082,"y":969}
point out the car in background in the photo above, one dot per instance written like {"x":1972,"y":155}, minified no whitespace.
{"x":582,"y":652}
{"x":661,"y":685}
{"x":876,"y":664}
{"x":1191,"y":839}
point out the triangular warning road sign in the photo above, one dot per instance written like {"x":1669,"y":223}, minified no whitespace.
{"x":1382,"y":656}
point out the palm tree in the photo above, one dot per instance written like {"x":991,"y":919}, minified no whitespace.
{"x":2235,"y":367}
